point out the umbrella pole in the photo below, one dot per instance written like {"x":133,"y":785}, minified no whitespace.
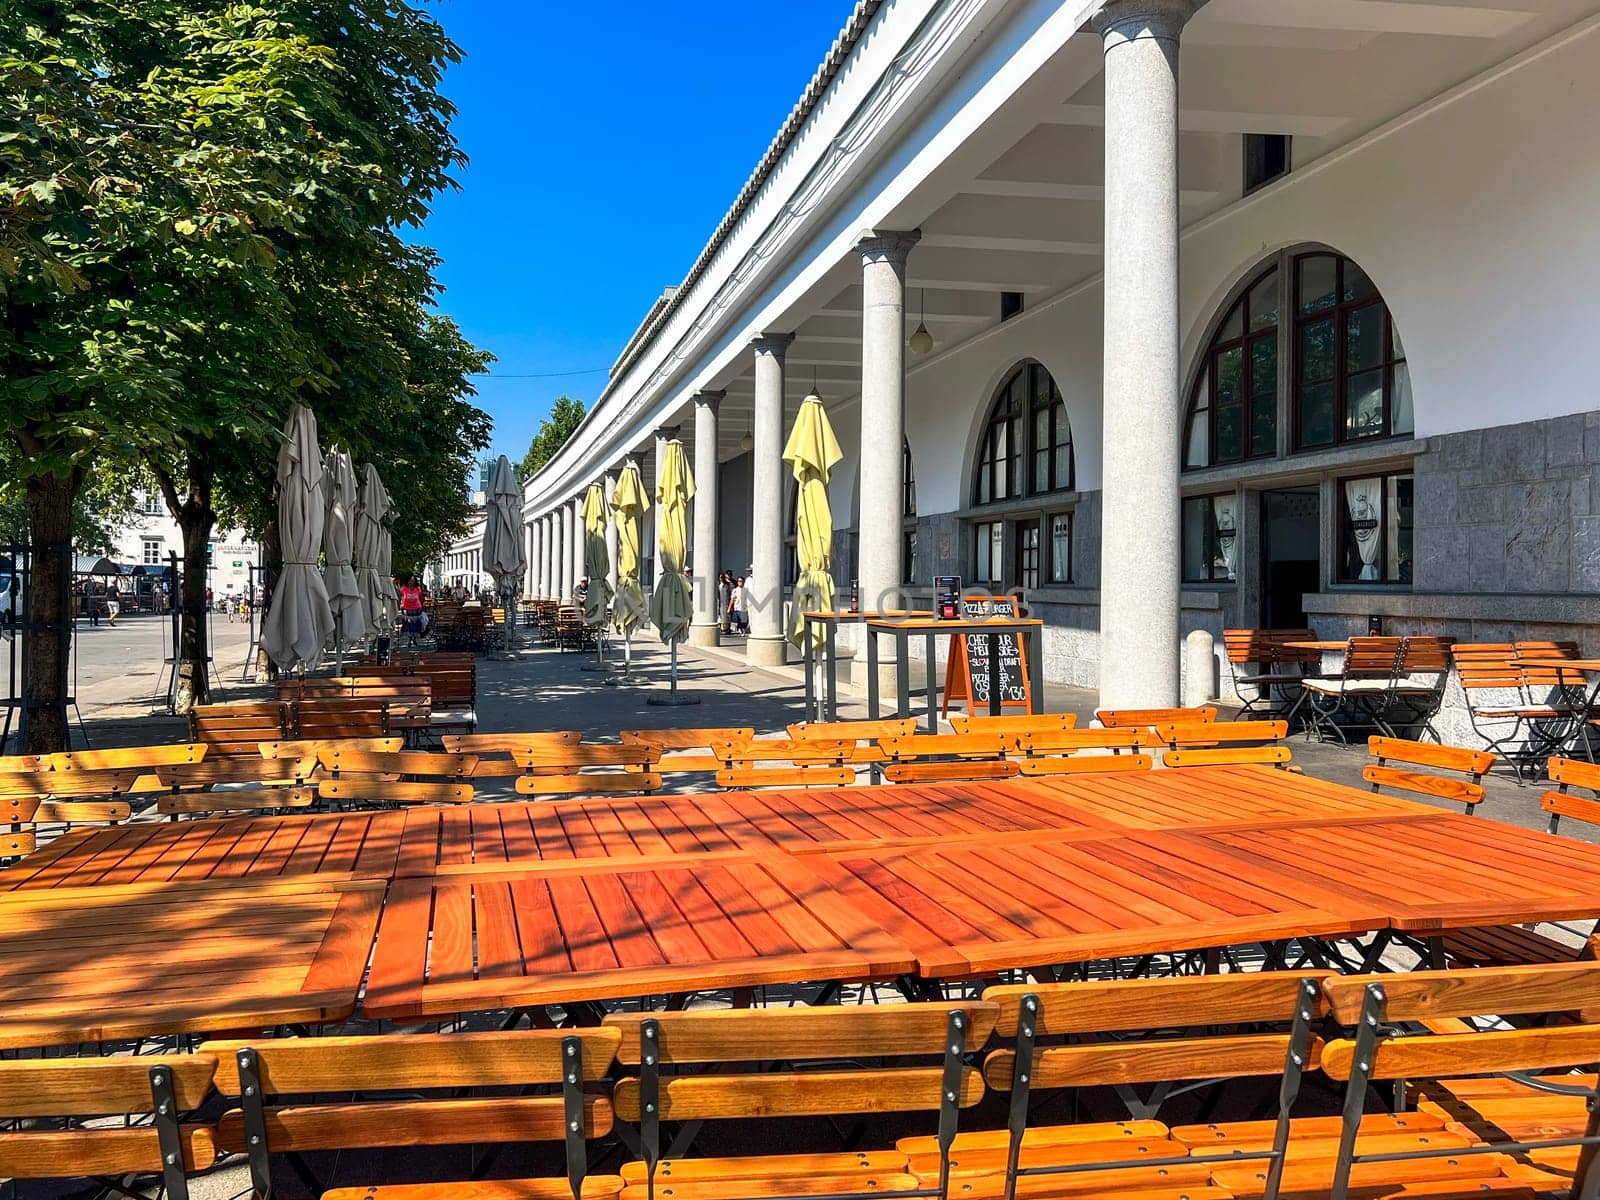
{"x":673,"y":698}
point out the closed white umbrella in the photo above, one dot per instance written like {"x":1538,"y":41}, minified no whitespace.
{"x":378,"y":601}
{"x":338,"y":551}
{"x":300,"y":621}
{"x":505,"y":556}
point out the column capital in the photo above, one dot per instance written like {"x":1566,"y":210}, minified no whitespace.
{"x":709,"y":399}
{"x":1126,"y":20}
{"x":888,"y":245}
{"x":666,"y":433}
{"x":775,"y":344}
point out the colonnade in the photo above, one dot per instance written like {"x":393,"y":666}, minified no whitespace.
{"x":1140,"y":503}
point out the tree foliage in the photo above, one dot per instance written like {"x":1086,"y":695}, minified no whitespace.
{"x":566,"y":414}
{"x":199,"y":226}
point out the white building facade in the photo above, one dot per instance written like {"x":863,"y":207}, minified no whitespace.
{"x":1256,"y":313}
{"x":149,"y":537}
{"x":462,"y":563}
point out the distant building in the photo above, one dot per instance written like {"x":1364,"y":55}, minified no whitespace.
{"x":149,"y":537}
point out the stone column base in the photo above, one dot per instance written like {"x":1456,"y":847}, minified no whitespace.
{"x":704,"y":635}
{"x":766,"y":652}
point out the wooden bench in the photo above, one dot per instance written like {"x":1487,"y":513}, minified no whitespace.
{"x":290,"y":1097}
{"x":1263,"y":663}
{"x":746,"y":777}
{"x":1223,"y":743}
{"x":1386,"y":1011}
{"x":852,"y":731}
{"x":126,"y":758}
{"x":1474,"y":764}
{"x":1515,"y":945}
{"x":679,"y":746}
{"x":21,"y":817}
{"x":239,"y":728}
{"x":585,"y":768}
{"x":1157,"y":1032}
{"x":53,"y":1118}
{"x":1014,"y":723}
{"x":1062,"y":752}
{"x":1149,"y":718}
{"x":717,"y":1065}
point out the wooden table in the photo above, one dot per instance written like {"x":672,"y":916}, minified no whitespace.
{"x":823,"y":704}
{"x":87,"y":964}
{"x":562,"y":934}
{"x":931,"y":628}
{"x":487,"y":837}
{"x":1586,"y":666}
{"x":333,"y":845}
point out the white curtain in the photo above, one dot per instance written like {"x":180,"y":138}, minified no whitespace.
{"x":1227,"y":533}
{"x":1363,"y":499}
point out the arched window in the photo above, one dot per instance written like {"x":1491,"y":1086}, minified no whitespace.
{"x":1346,"y":369}
{"x":1026,"y":446}
{"x":1233,"y":411}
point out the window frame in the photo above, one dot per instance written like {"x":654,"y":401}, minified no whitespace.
{"x":159,"y":544}
{"x":1067,"y":515}
{"x":1343,"y":532}
{"x":1289,"y":264}
{"x":1016,"y":405}
{"x":1215,"y":575}
{"x":1027,"y":559}
{"x":983,"y":535}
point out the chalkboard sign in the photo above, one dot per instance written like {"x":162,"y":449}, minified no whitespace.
{"x":967,"y":674}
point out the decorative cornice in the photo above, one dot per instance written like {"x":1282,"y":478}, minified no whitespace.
{"x":1127,"y":20}
{"x":889,"y":246}
{"x":774,"y":344}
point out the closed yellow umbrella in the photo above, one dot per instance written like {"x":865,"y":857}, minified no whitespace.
{"x":812,"y":452}
{"x":597,"y":604}
{"x":672,"y":606}
{"x":628,"y":503}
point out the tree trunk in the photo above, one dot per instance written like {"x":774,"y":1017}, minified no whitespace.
{"x":271,"y":569}
{"x":49,"y":631}
{"x":196,"y":519}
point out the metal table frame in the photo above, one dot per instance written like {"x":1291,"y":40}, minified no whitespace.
{"x":825,"y":707}
{"x":1028,"y":629}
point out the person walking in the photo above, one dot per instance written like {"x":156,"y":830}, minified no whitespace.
{"x":113,"y":605}
{"x":724,"y":601}
{"x":411,"y":607}
{"x":741,"y":608}
{"x":91,"y":606}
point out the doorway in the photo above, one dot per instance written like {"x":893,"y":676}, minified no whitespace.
{"x":1291,"y":543}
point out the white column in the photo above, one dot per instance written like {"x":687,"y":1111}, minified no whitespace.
{"x":883,"y":386}
{"x":766,"y":645}
{"x":535,"y":536}
{"x":574,"y":520}
{"x":563,"y":524}
{"x":546,"y":549}
{"x":610,"y":485}
{"x":706,"y":558}
{"x":1139,"y":536}
{"x":659,"y":456}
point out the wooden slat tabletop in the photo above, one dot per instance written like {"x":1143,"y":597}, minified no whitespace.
{"x":608,"y":930}
{"x":334,"y":845}
{"x":88,"y":964}
{"x":1445,"y":871}
{"x":972,"y":909}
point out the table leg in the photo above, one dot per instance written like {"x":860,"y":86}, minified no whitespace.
{"x":933,"y":683}
{"x":831,"y":650}
{"x":994,"y":675}
{"x":1036,"y":669}
{"x":902,"y":675}
{"x":872,"y":674}
{"x":807,"y":667}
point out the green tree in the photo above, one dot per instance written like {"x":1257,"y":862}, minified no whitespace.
{"x":566,"y":414}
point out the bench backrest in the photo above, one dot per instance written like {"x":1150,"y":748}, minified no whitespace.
{"x":851,"y":731}
{"x":1178,"y":735}
{"x":346,"y":717}
{"x":1014,"y":723}
{"x":953,"y":745}
{"x":1372,"y":657}
{"x":1472,"y":763}
{"x":1147,"y":718}
{"x":421,"y":764}
{"x":508,"y":743}
{"x":127,"y":757}
{"x":741,"y":1042}
{"x":261,"y":1075}
{"x":744,"y":777}
{"x":162,"y":1088}
{"x":1485,"y":665}
{"x":1569,"y":773}
{"x":1380,"y":1007}
{"x":1225,"y":1026}
{"x":688,"y":739}
{"x":1548,"y":677}
{"x":1425,"y":655}
{"x":238,"y":728}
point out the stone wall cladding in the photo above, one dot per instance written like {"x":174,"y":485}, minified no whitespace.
{"x":1515,"y":508}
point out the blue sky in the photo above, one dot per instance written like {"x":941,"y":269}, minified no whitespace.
{"x":606,"y":143}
